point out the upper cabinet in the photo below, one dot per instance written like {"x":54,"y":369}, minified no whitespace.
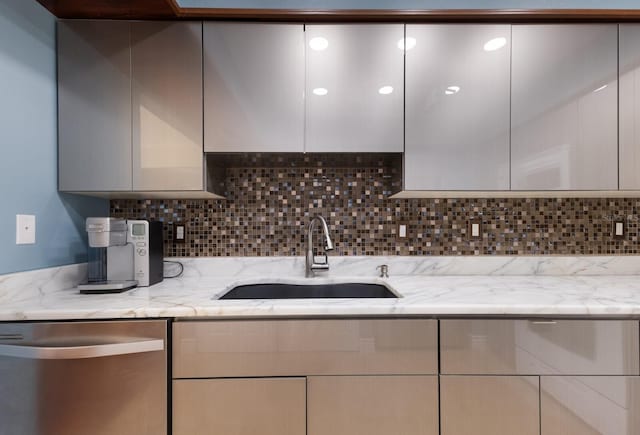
{"x":253,"y":87}
{"x":94,"y":106}
{"x":354,"y":88}
{"x":166,"y":65}
{"x":564,"y":107}
{"x":457,"y":107}
{"x":474,"y":107}
{"x":130,"y":108}
{"x":629,"y":106}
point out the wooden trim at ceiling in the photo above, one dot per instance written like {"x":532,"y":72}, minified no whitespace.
{"x":169,"y":9}
{"x":448,"y":15}
{"x":111,"y":9}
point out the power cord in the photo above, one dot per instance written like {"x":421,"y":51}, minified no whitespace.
{"x":179,"y":274}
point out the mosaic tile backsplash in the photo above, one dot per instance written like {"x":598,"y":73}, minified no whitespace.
{"x":267,"y":211}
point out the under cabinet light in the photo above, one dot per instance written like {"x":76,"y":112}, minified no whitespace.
{"x":495,"y":44}
{"x":318,"y":43}
{"x":407,"y":43}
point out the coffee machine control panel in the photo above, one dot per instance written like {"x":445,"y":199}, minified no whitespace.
{"x":139,"y":238}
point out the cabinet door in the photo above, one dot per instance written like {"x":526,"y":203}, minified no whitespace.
{"x":490,"y":405}
{"x":354,"y":88}
{"x":94,"y":106}
{"x":590,"y":405}
{"x":629,"y":95}
{"x":564,"y":107}
{"x":372,"y":405}
{"x":253,"y":87}
{"x":239,"y":406}
{"x":167,"y":106}
{"x":457,"y":107}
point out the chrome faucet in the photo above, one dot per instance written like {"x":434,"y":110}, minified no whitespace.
{"x":313,"y":266}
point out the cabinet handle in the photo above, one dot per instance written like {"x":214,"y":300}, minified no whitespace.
{"x":45,"y":350}
{"x":543,"y":322}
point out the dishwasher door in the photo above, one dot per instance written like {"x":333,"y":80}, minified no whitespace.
{"x":80,"y":378}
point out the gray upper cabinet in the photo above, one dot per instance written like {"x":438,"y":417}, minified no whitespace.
{"x":130,"y":109}
{"x":564,"y":107}
{"x":167,"y":106}
{"x":354,"y":88}
{"x":253,"y":87}
{"x":629,"y":106}
{"x":457,"y":107}
{"x":94,"y":106}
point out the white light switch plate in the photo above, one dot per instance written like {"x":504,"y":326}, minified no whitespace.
{"x":402,"y":230}
{"x":25,"y":229}
{"x":475,"y":230}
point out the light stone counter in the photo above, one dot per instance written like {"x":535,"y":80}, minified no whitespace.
{"x":430,"y":286}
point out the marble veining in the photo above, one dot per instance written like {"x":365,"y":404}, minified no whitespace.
{"x":520,"y":286}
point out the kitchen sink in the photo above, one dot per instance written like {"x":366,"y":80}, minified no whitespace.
{"x":309,"y":291}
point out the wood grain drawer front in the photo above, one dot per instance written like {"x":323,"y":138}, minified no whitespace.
{"x":372,"y":405}
{"x":241,"y":348}
{"x":490,"y":405}
{"x":239,"y":406}
{"x":590,"y":405}
{"x":536,"y":347}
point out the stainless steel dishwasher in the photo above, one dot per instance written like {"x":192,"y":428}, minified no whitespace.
{"x":80,"y":378}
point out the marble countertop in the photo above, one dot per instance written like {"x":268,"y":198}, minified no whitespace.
{"x":446,"y":286}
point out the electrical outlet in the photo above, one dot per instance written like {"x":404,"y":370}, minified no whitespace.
{"x":25,"y":229}
{"x":618,"y":230}
{"x":474,"y":229}
{"x":179,"y":235}
{"x":402,"y":231}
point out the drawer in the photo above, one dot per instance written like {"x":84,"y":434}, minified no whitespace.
{"x":537,"y":347}
{"x":237,"y":348}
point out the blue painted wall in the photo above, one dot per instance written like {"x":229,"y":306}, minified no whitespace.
{"x":28,"y":145}
{"x":415,"y":4}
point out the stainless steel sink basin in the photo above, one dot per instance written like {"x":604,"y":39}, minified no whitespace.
{"x":309,"y":291}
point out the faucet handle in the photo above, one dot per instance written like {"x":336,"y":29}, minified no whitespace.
{"x":320,"y":263}
{"x":384,"y":270}
{"x":320,"y":259}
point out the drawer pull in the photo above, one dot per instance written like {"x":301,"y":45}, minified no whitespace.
{"x":543,"y":322}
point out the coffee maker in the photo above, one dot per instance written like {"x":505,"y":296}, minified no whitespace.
{"x":123,"y":254}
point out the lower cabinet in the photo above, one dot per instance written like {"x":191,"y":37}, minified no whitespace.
{"x":252,"y":406}
{"x":372,"y":405}
{"x":381,"y":377}
{"x":590,"y":405}
{"x":489,"y":405}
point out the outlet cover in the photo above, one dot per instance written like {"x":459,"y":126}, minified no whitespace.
{"x":25,"y":229}
{"x":474,"y":229}
{"x":618,"y":229}
{"x":179,"y":235}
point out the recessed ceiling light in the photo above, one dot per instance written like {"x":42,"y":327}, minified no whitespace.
{"x":320,"y":91}
{"x":385,"y":90}
{"x":407,"y":43}
{"x":318,"y":43}
{"x":600,"y":88}
{"x":452,"y":90}
{"x":495,"y":44}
